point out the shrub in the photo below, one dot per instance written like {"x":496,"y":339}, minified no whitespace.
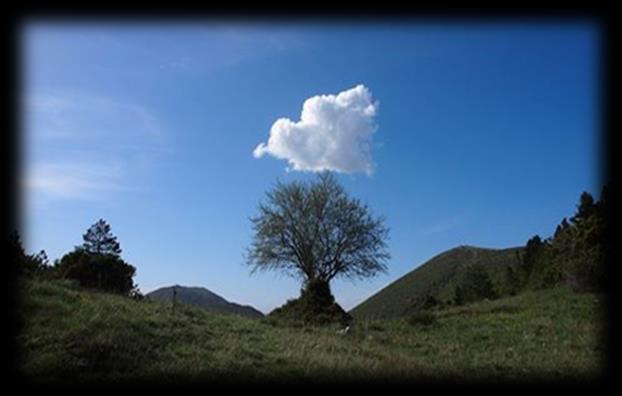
{"x":315,"y":306}
{"x":476,"y":285}
{"x":422,"y":318}
{"x":430,"y":302}
{"x":98,"y":271}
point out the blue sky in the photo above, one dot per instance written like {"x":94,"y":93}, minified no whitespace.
{"x":484,"y":134}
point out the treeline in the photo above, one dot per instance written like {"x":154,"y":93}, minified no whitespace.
{"x":577,"y":252}
{"x":96,"y":264}
{"x":575,"y":255}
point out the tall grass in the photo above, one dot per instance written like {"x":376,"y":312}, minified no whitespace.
{"x":73,"y":334}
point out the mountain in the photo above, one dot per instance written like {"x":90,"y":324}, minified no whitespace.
{"x":203,"y":298}
{"x":437,"y":277}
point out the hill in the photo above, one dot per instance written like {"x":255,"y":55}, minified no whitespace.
{"x":203,"y":298}
{"x":72,"y":334}
{"x":437,"y":277}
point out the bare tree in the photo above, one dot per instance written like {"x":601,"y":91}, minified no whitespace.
{"x":314,"y":231}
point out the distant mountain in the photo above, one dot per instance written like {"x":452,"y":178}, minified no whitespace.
{"x":203,"y":298}
{"x":437,"y":277}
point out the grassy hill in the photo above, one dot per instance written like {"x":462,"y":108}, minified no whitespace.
{"x":203,"y":298}
{"x":73,"y":334}
{"x":437,"y":277}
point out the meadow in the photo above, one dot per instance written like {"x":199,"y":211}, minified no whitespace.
{"x":73,"y":334}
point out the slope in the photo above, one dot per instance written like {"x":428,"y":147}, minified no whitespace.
{"x":437,"y":277}
{"x":71,"y":334}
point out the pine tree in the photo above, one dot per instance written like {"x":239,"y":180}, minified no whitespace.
{"x":512,"y":281}
{"x":99,"y":240}
{"x":533,"y":250}
{"x":585,"y":209}
{"x":97,"y":263}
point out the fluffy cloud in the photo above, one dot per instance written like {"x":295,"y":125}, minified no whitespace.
{"x":334,"y":133}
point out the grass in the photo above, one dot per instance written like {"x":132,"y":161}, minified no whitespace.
{"x":73,"y":334}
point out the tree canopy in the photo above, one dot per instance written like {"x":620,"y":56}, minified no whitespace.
{"x":25,"y":264}
{"x":99,"y":239}
{"x":577,"y":252}
{"x":97,"y":263}
{"x":317,"y":232}
{"x":476,"y":285}
{"x":98,"y":271}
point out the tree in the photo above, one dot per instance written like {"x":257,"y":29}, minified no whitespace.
{"x":533,"y":251}
{"x":580,"y":248}
{"x":476,"y":285}
{"x":512,"y":281}
{"x":17,"y":254}
{"x":589,"y":242}
{"x":98,"y":264}
{"x":316,"y":232}
{"x":585,"y":209}
{"x":26,"y":264}
{"x":578,"y":251}
{"x":105,"y":272}
{"x":98,"y":239}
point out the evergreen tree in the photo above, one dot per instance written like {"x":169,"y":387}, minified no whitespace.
{"x":585,"y":209}
{"x":25,"y":264}
{"x":579,"y":249}
{"x":512,"y":281}
{"x":99,"y":240}
{"x":476,"y":285}
{"x":533,"y":250}
{"x":577,"y":252}
{"x":98,"y":264}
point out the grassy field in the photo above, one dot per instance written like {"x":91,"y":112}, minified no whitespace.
{"x":72,"y":334}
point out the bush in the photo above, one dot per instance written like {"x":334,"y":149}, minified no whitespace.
{"x":98,"y":271}
{"x":422,"y":318}
{"x":476,"y":285}
{"x":429,"y":302}
{"x":315,"y":306}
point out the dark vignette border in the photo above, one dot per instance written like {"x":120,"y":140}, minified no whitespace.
{"x":314,"y":13}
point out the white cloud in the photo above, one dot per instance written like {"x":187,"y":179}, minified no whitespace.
{"x":334,"y":133}
{"x":86,"y":117}
{"x":80,"y":146}
{"x":74,"y":180}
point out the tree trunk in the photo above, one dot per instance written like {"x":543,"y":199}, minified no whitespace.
{"x":318,"y":292}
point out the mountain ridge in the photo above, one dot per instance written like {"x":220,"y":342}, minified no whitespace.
{"x":203,"y":298}
{"x":437,"y":277}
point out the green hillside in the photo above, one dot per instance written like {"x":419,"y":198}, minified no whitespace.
{"x":72,"y":334}
{"x":437,"y":277}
